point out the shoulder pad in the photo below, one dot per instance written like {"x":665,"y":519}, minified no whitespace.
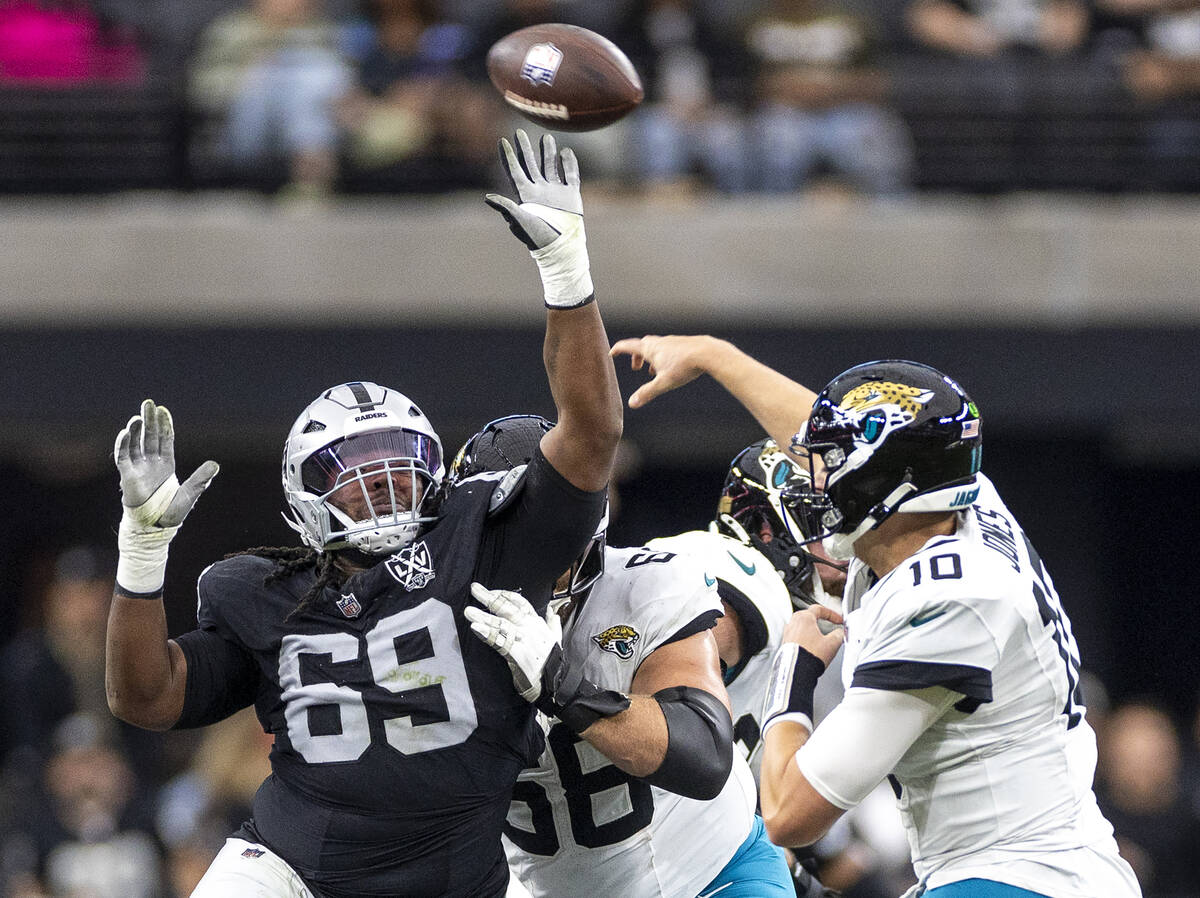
{"x":506,"y":490}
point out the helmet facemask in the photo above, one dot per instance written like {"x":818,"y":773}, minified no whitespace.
{"x":754,"y":510}
{"x":373,"y":490}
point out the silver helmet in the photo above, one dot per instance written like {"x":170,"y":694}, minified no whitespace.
{"x":376,"y":450}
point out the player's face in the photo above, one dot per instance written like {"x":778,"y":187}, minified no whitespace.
{"x":374,"y":494}
{"x":833,"y":579}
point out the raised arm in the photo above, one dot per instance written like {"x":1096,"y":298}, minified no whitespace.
{"x":548,"y":219}
{"x":145,"y":673}
{"x":777,"y":402}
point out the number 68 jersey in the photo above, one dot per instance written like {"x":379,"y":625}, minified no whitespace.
{"x":578,"y":825}
{"x":1000,"y":786}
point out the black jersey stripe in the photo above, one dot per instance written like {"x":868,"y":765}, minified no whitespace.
{"x":973,"y":682}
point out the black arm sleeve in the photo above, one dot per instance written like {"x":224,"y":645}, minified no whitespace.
{"x":530,"y":543}
{"x":699,"y":744}
{"x":222,"y":678}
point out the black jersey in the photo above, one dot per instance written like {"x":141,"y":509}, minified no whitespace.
{"x":398,"y":734}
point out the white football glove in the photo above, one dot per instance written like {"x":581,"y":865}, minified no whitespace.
{"x":549,"y":218}
{"x":154,"y":501}
{"x":523,"y":638}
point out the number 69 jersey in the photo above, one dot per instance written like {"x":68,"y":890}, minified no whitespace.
{"x":578,"y":825}
{"x":1000,"y":786}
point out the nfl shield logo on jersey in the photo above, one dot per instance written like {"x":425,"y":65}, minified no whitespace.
{"x":541,"y":64}
{"x":349,"y":605}
{"x":412,"y":567}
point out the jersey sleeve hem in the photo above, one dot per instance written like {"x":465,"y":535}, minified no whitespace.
{"x":705,"y":621}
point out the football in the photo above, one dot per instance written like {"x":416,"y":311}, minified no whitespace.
{"x":563,"y":77}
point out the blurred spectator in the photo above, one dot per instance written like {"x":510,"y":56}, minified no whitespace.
{"x":198,"y":808}
{"x":987,"y":28}
{"x":83,"y":833}
{"x":274,"y":72}
{"x":695,"y":77}
{"x":821,"y":99}
{"x":1161,"y":69}
{"x":1140,"y":791}
{"x":414,"y":97}
{"x":62,"y":43}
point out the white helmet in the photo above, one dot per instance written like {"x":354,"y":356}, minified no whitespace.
{"x":347,"y":435}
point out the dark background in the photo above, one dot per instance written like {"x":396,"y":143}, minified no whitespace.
{"x":1089,"y":435}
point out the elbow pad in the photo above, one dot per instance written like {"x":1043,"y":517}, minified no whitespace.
{"x":699,"y":744}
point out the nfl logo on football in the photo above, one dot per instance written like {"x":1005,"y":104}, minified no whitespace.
{"x":541,"y":64}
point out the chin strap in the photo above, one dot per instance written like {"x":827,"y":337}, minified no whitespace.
{"x":840,"y":546}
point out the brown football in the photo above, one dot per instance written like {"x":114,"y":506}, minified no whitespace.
{"x":564,"y":77}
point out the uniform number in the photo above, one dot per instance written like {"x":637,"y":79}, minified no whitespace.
{"x":413,"y":654}
{"x":1051,"y":612}
{"x":582,"y":787}
{"x":947,"y":566}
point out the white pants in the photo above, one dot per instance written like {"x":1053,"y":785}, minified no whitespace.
{"x":244,"y":869}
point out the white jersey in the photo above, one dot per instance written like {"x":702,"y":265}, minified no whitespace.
{"x":752,"y":586}
{"x":1000,"y":787}
{"x":578,"y":825}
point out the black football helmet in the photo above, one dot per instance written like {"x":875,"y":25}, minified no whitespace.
{"x":507,"y":443}
{"x":502,"y":445}
{"x":893,"y":436}
{"x":752,"y":509}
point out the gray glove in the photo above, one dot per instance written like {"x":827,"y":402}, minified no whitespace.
{"x":549,"y":217}
{"x":154,"y":501}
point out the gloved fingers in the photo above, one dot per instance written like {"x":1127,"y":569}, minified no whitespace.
{"x":493,"y":630}
{"x":166,"y":435}
{"x":510,"y":211}
{"x":189,"y":491}
{"x":528,"y":157}
{"x":511,"y":606}
{"x":554,"y":622}
{"x":121,"y":449}
{"x":570,"y":167}
{"x":149,"y":428}
{"x":512,"y":167}
{"x":550,"y":159}
{"x":137,"y":431}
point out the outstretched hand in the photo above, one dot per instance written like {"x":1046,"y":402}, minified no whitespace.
{"x":673,"y":362}
{"x":145,"y":458}
{"x":548,"y":217}
{"x":536,"y":180}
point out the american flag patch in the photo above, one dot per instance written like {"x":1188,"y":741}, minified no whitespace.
{"x":970,"y":429}
{"x":253,"y":852}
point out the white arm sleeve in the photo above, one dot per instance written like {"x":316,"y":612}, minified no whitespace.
{"x":864,"y":737}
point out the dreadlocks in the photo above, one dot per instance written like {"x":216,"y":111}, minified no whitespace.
{"x":292,"y":559}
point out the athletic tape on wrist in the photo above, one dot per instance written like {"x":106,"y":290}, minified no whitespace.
{"x":142,"y":564}
{"x":794,"y":675}
{"x":563,"y":264}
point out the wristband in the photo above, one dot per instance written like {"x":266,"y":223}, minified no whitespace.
{"x":794,"y":675}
